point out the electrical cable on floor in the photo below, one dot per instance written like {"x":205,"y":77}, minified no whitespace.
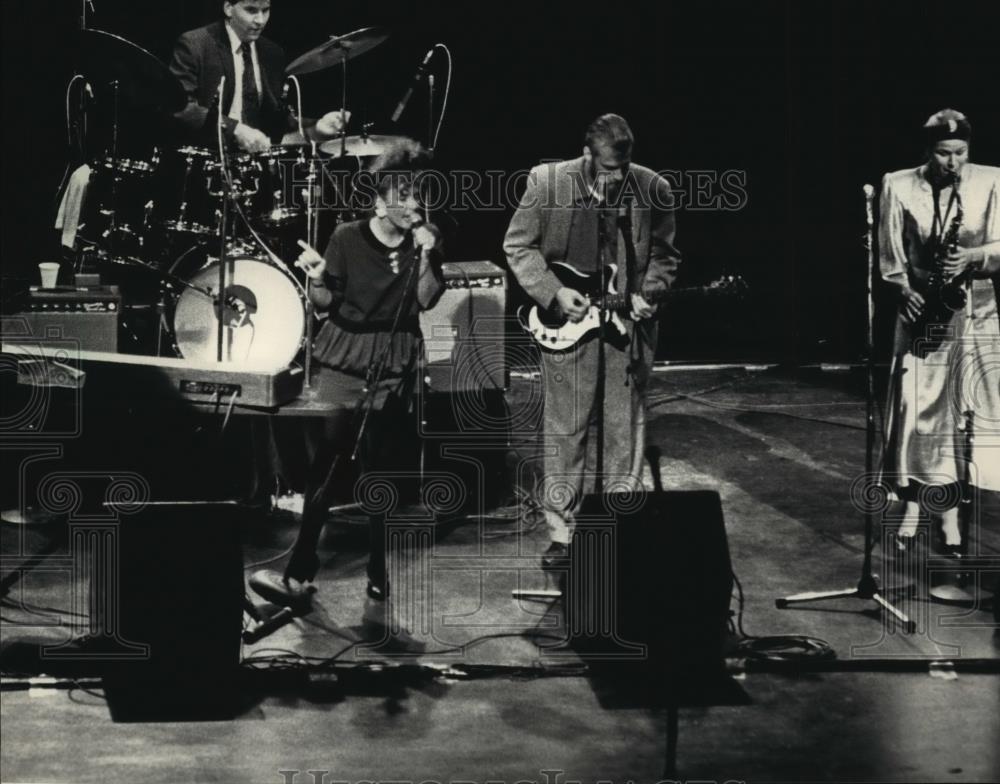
{"x":40,"y":610}
{"x":778,"y":647}
{"x":271,"y":559}
{"x":308,"y":662}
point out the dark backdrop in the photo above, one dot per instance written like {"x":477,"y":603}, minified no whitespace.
{"x":810,"y":99}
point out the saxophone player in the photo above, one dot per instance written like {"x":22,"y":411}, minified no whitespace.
{"x":940,"y":227}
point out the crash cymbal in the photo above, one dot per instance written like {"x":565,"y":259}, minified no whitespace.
{"x":336,"y":50}
{"x":143,"y":81}
{"x":359,"y":146}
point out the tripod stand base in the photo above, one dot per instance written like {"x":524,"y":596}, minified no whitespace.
{"x":867,"y":589}
{"x":948,"y":593}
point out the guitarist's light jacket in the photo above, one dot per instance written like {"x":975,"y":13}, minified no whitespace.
{"x":540,"y":230}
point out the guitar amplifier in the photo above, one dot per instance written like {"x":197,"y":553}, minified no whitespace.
{"x":87,"y":316}
{"x":464,"y":332}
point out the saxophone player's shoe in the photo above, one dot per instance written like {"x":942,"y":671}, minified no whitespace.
{"x":951,"y":586}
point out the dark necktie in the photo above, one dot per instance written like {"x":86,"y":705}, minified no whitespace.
{"x":251,"y":98}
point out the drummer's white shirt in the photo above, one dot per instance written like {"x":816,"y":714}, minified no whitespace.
{"x":236,"y":110}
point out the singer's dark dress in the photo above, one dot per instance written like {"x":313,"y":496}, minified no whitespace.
{"x":368,"y":281}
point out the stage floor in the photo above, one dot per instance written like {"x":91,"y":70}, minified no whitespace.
{"x":783,"y":449}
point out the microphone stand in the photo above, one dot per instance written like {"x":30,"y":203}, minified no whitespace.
{"x":312,"y":232}
{"x":430,"y":114}
{"x":227,"y":194}
{"x":312,"y":524}
{"x":867,"y":587}
{"x":602,"y":322}
{"x":377,"y":370}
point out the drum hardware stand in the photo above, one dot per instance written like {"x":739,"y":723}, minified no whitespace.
{"x":115,"y":174}
{"x":312,"y":229}
{"x":868,"y":586}
{"x":343,"y":108}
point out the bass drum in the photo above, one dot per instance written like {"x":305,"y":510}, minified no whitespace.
{"x":263,"y":311}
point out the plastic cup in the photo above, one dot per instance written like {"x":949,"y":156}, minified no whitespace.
{"x":50,"y":274}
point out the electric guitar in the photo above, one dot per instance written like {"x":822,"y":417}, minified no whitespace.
{"x":555,"y":333}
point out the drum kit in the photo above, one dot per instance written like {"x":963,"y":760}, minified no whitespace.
{"x":161,"y":217}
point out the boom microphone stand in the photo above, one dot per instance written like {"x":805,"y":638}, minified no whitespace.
{"x":227,"y":194}
{"x":867,"y":587}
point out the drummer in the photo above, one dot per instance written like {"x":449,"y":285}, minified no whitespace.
{"x":255,"y":115}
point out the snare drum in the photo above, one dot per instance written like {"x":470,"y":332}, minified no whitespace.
{"x":264,"y":312}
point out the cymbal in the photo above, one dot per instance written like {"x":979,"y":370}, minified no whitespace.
{"x":360,"y":146}
{"x":143,"y":81}
{"x":337,"y":50}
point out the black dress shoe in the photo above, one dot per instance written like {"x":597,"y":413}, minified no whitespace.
{"x":275,"y":588}
{"x":302,"y":566}
{"x":378,"y":591}
{"x":556,"y":557}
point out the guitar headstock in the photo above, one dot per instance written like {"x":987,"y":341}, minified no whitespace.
{"x":729,"y":285}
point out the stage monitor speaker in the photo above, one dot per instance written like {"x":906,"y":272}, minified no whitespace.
{"x":649,"y":584}
{"x":464,"y":331}
{"x":181,"y":593}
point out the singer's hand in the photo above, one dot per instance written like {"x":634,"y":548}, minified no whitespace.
{"x":250,"y":139}
{"x":572,"y":304}
{"x":331,"y":124}
{"x":913,"y":306}
{"x":310,"y":261}
{"x":425,"y":237}
{"x":641,"y":309}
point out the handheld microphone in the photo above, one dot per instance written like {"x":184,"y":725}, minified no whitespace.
{"x":421,"y":71}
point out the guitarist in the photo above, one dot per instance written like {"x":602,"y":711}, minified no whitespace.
{"x":578,"y":212}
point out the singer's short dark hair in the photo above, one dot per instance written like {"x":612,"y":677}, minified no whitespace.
{"x":400,"y":164}
{"x":612,"y":131}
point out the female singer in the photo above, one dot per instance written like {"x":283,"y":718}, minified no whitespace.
{"x":940,"y":223}
{"x":375,"y":277}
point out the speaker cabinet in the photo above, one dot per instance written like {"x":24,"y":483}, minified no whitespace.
{"x":181,"y":593}
{"x":464,"y":331}
{"x":649,"y":584}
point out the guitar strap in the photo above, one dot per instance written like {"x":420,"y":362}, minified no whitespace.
{"x":630,"y":262}
{"x":625,"y":225}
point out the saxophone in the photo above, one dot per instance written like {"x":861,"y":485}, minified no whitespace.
{"x":943,"y":296}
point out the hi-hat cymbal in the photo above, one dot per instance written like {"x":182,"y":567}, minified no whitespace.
{"x":143,"y":81}
{"x":336,"y":50}
{"x":359,"y":146}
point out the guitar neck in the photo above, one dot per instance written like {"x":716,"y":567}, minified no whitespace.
{"x":619,"y":303}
